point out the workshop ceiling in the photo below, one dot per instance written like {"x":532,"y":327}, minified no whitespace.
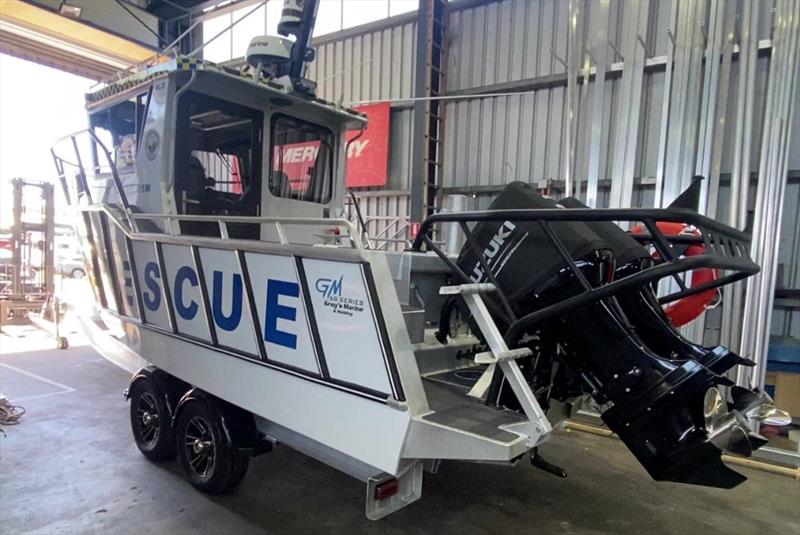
{"x":171,"y":9}
{"x":97,"y":39}
{"x":39,"y":34}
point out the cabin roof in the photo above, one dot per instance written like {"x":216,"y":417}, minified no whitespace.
{"x":145,"y":76}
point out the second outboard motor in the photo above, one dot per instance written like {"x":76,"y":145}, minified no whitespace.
{"x":642,"y":308}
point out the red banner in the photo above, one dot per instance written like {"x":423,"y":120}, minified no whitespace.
{"x":368,"y":155}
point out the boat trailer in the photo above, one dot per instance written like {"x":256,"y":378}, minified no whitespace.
{"x":251,"y":314}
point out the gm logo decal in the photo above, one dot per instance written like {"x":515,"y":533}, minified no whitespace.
{"x":333,"y":297}
{"x":329,"y":287}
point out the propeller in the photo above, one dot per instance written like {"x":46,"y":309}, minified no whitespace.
{"x":729,"y":425}
{"x":759,"y":406}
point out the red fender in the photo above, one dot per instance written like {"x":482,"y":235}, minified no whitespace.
{"x":685,"y":310}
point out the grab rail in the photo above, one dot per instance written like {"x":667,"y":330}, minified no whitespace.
{"x":223,"y":222}
{"x":676,"y":215}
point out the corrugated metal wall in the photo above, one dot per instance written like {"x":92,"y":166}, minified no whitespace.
{"x":511,"y":46}
{"x":786,"y":320}
{"x":493,"y":141}
{"x":374,"y":65}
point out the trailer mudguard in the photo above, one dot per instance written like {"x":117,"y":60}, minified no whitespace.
{"x":238,"y":424}
{"x":170,"y":387}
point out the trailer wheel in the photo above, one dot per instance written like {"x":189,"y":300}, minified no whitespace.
{"x":211,"y":464}
{"x":150,"y":420}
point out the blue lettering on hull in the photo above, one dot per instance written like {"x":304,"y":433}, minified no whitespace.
{"x":275,"y":311}
{"x":231,"y":321}
{"x":185,"y":274}
{"x":152,"y":296}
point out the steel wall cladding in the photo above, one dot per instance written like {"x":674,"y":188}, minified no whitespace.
{"x":493,"y":141}
{"x":786,"y":319}
{"x":375,"y":65}
{"x":511,"y":40}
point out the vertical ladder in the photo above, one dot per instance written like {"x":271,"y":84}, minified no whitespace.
{"x":428,"y":111}
{"x":435,"y":84}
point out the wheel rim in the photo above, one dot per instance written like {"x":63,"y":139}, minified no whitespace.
{"x":199,"y":446}
{"x":147,"y":418}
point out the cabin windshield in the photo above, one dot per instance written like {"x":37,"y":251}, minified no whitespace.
{"x":302,"y":160}
{"x":118,"y":128}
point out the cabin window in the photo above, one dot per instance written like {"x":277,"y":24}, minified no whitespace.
{"x":218,"y":160}
{"x":302,"y":160}
{"x":118,"y":128}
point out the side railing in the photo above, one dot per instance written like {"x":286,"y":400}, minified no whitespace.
{"x":80,"y":195}
{"x":725,"y":249}
{"x":102,"y":226}
{"x":383,"y":238}
{"x":280,"y":224}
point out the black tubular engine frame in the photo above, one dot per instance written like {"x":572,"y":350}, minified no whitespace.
{"x":725,"y":249}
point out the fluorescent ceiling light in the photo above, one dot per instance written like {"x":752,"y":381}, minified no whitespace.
{"x":67,"y":10}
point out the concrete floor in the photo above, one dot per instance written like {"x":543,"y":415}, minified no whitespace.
{"x":71,"y":467}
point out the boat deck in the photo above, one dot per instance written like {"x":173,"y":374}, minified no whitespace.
{"x":454,"y":409}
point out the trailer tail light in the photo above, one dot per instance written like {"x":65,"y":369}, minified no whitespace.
{"x":387,"y":489}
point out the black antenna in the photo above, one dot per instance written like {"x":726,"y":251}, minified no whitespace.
{"x":301,"y":53}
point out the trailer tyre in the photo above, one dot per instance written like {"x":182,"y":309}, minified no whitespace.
{"x":211,"y":464}
{"x":150,"y":420}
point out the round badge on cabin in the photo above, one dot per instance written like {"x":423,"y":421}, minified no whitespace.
{"x":151,"y":143}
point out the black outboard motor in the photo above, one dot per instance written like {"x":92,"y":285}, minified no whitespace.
{"x":658,"y":390}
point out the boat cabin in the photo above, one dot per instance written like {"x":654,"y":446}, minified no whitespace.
{"x":191,"y":138}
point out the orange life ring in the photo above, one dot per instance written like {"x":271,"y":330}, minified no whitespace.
{"x":685,"y":310}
